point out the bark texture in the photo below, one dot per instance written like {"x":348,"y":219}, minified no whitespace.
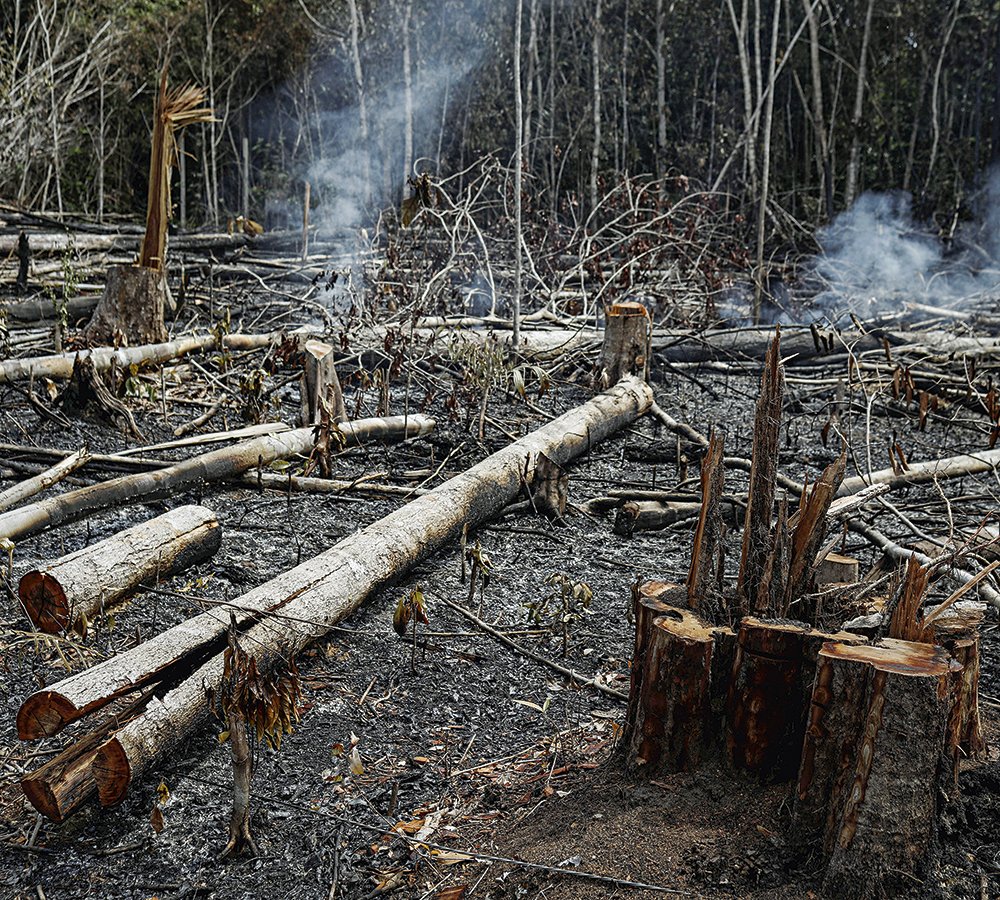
{"x":73,"y":589}
{"x":131,"y":309}
{"x":324,"y":590}
{"x":217,"y":465}
{"x":625,"y":351}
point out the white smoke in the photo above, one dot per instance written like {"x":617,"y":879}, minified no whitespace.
{"x":876,"y":257}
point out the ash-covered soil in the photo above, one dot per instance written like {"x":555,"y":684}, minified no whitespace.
{"x":479,"y":749}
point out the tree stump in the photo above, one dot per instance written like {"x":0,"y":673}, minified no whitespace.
{"x":549,"y":488}
{"x":672,"y":722}
{"x":768,"y":698}
{"x":957,"y":630}
{"x":319,"y":383}
{"x":625,"y":351}
{"x":131,"y":309}
{"x":874,"y":760}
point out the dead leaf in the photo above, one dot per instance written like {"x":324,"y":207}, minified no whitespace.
{"x":162,"y":794}
{"x":156,"y":819}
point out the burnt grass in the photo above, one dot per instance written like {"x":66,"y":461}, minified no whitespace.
{"x":488,"y":751}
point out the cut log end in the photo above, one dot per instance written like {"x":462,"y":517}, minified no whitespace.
{"x":44,"y":714}
{"x":112,"y":772}
{"x":45,"y":602}
{"x":61,"y":787}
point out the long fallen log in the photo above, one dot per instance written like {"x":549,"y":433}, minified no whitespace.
{"x":923,"y":472}
{"x":334,"y":584}
{"x":60,"y":365}
{"x":25,"y":490}
{"x":217,"y":465}
{"x":313,"y":596}
{"x":70,"y":591}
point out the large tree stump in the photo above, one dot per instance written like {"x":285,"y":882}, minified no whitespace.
{"x":769,"y":693}
{"x":672,"y":723}
{"x":874,"y":760}
{"x":625,"y":351}
{"x":73,"y":589}
{"x":131,"y":310}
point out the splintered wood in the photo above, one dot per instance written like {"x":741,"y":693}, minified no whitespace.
{"x":873,"y":731}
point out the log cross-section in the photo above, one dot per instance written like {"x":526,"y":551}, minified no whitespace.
{"x":70,"y":591}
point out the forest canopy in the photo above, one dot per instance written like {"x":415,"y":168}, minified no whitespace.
{"x":813,"y":101}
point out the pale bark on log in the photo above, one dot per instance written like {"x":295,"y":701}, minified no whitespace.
{"x":28,"y":488}
{"x":60,"y":365}
{"x":922,"y":472}
{"x":72,"y":590}
{"x":131,"y":309}
{"x":322,"y":591}
{"x":217,"y":465}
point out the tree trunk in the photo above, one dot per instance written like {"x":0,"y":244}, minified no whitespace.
{"x":854,"y":160}
{"x":595,"y":152}
{"x":24,"y":490}
{"x":549,"y":488}
{"x":60,"y":365}
{"x":319,"y":383}
{"x":670,"y":727}
{"x":131,"y":309}
{"x":757,"y":538}
{"x":625,"y":351}
{"x":704,"y":581}
{"x":518,"y":169}
{"x":72,"y":590}
{"x":217,"y":465}
{"x":322,"y":591}
{"x":769,"y":694}
{"x":651,"y":515}
{"x":873,"y":762}
{"x":61,"y":786}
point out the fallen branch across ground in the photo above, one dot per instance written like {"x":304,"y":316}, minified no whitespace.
{"x":218,"y":465}
{"x":25,"y":490}
{"x":60,"y":365}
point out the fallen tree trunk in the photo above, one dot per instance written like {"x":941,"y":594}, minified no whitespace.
{"x":922,"y":472}
{"x":316,"y":594}
{"x":26,"y":489}
{"x":60,"y":365}
{"x":71,"y":591}
{"x":218,"y":465}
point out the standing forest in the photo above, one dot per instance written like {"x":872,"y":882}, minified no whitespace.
{"x":508,"y":450}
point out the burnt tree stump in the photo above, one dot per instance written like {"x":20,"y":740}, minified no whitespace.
{"x":319,"y":382}
{"x":875,"y":760}
{"x":625,"y":351}
{"x":768,"y":697}
{"x":673,"y":723}
{"x":131,"y":309}
{"x":549,"y":488}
